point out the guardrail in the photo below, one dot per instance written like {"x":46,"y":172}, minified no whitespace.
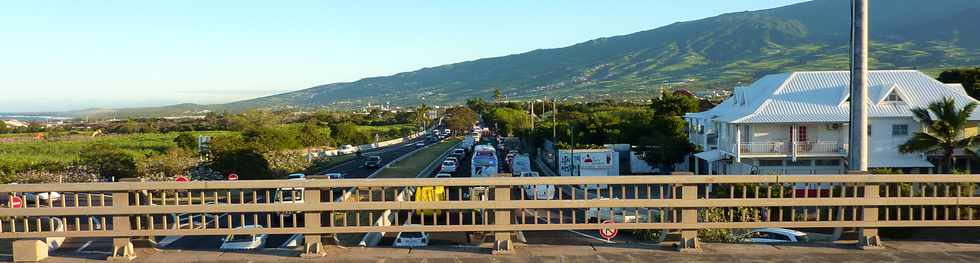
{"x":685,"y":203}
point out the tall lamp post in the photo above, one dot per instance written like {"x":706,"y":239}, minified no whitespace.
{"x":857,"y":156}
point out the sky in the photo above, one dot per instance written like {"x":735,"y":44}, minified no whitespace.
{"x":69,"y":55}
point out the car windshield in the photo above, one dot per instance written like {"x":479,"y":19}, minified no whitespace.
{"x":448,"y":163}
{"x":374,"y":158}
{"x":411,"y":234}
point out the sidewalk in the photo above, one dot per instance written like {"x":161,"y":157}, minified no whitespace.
{"x":895,"y":251}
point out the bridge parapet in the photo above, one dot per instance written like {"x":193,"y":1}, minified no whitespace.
{"x":489,"y":205}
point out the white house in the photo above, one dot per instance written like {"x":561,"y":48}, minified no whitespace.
{"x":797,"y":123}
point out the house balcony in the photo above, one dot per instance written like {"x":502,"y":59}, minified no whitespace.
{"x":788,"y":149}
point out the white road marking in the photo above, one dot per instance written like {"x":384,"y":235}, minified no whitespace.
{"x":540,"y":219}
{"x":167,"y":240}
{"x":294,"y":239}
{"x":592,"y":237}
{"x":84,"y":246}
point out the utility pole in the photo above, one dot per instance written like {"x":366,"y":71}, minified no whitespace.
{"x":857,"y":156}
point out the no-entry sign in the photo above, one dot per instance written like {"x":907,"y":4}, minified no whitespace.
{"x":16,"y":202}
{"x":608,"y":233}
{"x":232,"y":177}
{"x":182,"y":179}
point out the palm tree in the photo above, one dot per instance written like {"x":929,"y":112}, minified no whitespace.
{"x":422,"y":115}
{"x":944,"y":134}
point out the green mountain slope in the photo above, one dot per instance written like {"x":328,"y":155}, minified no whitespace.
{"x":711,"y":53}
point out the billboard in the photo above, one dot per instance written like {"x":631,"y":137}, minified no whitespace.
{"x":588,"y":162}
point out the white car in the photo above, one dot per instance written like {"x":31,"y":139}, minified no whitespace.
{"x":335,"y":175}
{"x":775,"y":235}
{"x":443,"y":175}
{"x":296,"y":177}
{"x":52,"y":224}
{"x":346,"y":149}
{"x":451,"y":158}
{"x":448,"y":167}
{"x":43,"y":197}
{"x":244,"y":242}
{"x":539,"y":191}
{"x":420,"y":144}
{"x":623,"y":215}
{"x":411,"y":239}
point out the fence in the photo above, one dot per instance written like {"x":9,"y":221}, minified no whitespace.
{"x":496,"y":205}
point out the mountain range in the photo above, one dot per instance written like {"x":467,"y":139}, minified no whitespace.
{"x":712,"y":53}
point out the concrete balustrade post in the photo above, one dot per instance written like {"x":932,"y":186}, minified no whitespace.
{"x":689,"y":217}
{"x":869,"y":238}
{"x":313,"y":243}
{"x":122,"y":247}
{"x":502,"y":240}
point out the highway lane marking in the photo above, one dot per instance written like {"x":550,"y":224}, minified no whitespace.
{"x":166,"y":241}
{"x":592,"y":237}
{"x":84,"y":246}
{"x":291,"y":238}
{"x":539,"y":219}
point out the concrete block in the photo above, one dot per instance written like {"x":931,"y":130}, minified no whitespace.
{"x":30,"y":250}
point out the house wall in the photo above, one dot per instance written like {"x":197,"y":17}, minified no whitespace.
{"x":780,"y":132}
{"x":882,"y":144}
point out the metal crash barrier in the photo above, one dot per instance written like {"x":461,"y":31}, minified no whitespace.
{"x":496,"y":206}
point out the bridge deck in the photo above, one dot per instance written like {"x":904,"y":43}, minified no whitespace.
{"x":895,"y":251}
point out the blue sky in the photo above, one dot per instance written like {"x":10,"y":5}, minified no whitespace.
{"x":65,"y":55}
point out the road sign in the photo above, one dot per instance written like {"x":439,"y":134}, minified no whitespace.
{"x":232,"y":177}
{"x":182,"y":179}
{"x":16,"y":202}
{"x":608,"y":233}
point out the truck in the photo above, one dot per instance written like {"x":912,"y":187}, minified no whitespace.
{"x":484,"y":162}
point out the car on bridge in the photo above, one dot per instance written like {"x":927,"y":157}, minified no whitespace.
{"x":775,"y":235}
{"x":335,"y":175}
{"x":448,"y":166}
{"x":411,"y":239}
{"x":244,"y":242}
{"x":373,"y":161}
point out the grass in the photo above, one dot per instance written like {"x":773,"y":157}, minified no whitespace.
{"x":410,"y":166}
{"x":20,"y":155}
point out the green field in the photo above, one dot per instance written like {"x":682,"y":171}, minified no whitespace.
{"x":45,"y":155}
{"x":410,"y":166}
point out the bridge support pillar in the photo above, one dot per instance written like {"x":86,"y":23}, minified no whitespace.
{"x":869,"y":238}
{"x":502,"y":242}
{"x":689,"y":217}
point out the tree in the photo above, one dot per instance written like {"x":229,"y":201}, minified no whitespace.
{"x":460,"y":118}
{"x":186,"y":141}
{"x":497,"y":96}
{"x":174,"y":162}
{"x":422,"y":115}
{"x":970,"y":78}
{"x":249,"y":164}
{"x":944,"y":134}
{"x":669,"y":104}
{"x":108,"y":161}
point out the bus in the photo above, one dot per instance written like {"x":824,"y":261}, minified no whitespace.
{"x":484,"y":162}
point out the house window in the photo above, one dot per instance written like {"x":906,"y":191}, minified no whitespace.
{"x":900,"y":130}
{"x":770,"y":162}
{"x":893,"y":97}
